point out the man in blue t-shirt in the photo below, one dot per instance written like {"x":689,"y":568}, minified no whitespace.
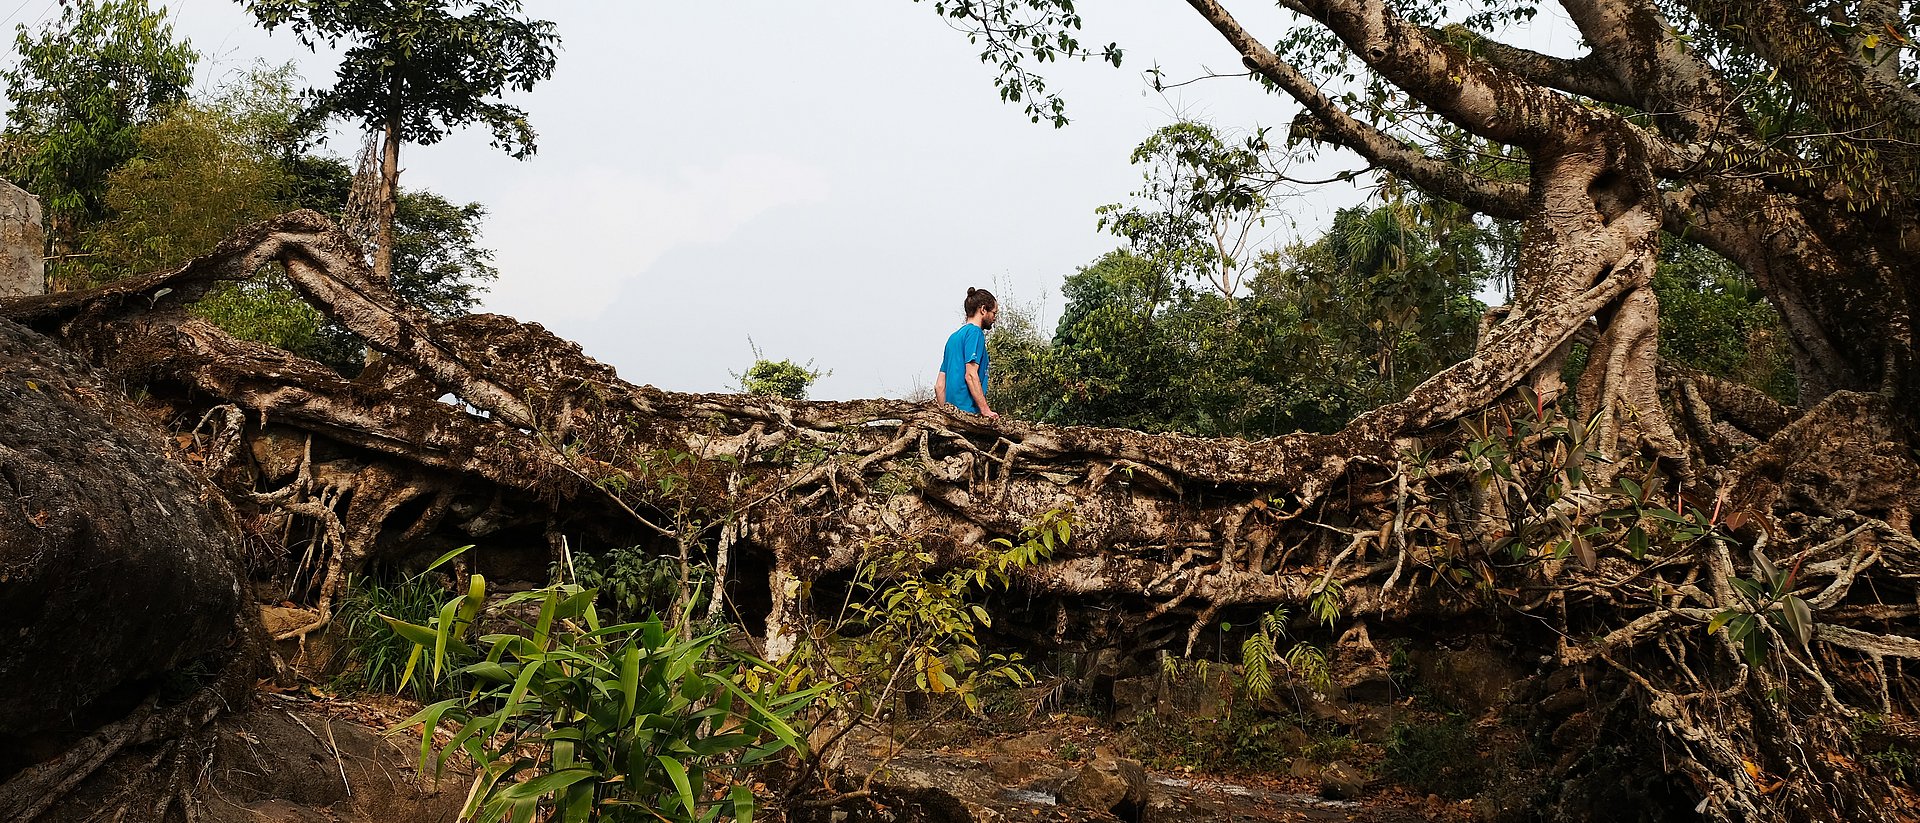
{"x":963,"y":368}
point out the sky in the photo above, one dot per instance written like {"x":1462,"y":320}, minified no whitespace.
{"x":820,"y":179}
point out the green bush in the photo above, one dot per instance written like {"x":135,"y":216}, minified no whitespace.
{"x":615,"y":723}
{"x":1441,"y":757}
{"x":377,"y":656}
{"x":631,"y":582}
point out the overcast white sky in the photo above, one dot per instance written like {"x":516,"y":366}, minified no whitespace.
{"x":826,"y":177}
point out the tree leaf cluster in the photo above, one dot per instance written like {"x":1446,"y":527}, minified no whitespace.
{"x":84,"y":87}
{"x":425,"y":66}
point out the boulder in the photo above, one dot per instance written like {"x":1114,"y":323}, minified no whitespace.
{"x":1339,"y":781}
{"x":117,"y":562}
{"x":1107,"y":784}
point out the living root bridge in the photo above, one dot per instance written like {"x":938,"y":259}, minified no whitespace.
{"x":1416,"y":519}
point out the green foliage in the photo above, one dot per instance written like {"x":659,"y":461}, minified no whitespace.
{"x":1260,"y":652}
{"x":84,"y":87}
{"x":1192,"y":328}
{"x":1237,"y":741}
{"x":1441,"y":757}
{"x":1021,"y":376}
{"x":1767,"y":595}
{"x":907,"y":628}
{"x":423,"y":67}
{"x":630,"y":581}
{"x":622,"y":722}
{"x":438,"y":262}
{"x":201,"y":168}
{"x":1014,"y":35}
{"x":379,"y":658}
{"x":1713,"y":318}
{"x":1888,"y":753}
{"x":778,"y":378}
{"x":1197,"y":215}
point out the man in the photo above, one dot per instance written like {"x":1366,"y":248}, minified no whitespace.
{"x":963,"y":369}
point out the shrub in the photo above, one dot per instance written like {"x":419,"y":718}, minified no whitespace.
{"x":623,"y":722}
{"x":1441,"y":757}
{"x":377,"y":656}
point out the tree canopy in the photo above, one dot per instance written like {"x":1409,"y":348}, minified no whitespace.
{"x":416,"y":70}
{"x":84,"y":87}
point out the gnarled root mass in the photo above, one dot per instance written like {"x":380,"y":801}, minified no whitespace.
{"x":1475,"y":503}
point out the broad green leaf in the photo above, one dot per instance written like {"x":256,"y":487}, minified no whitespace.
{"x":1799,"y":619}
{"x":1720,"y":620}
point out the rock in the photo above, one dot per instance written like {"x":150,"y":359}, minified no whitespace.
{"x":115,"y":567}
{"x":1135,"y":697}
{"x":280,"y":619}
{"x":1187,"y":695}
{"x":1475,"y":679}
{"x":1107,"y":784}
{"x":1339,"y":781}
{"x":1303,"y":768}
{"x":1024,"y":771}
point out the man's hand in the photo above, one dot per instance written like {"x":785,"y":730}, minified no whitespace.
{"x":990,"y":414}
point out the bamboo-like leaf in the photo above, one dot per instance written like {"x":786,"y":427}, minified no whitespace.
{"x":413,"y":660}
{"x":527,"y":673}
{"x":476,"y":597}
{"x":678,"y":774}
{"x":545,"y":784}
{"x":443,"y":631}
{"x":544,"y":627}
{"x":629,"y":683}
{"x":742,"y":804}
{"x":442,"y":559}
{"x":428,"y":718}
{"x":420,"y":635}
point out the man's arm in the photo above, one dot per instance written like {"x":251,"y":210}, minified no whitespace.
{"x":939,"y":388}
{"x":979,"y":394}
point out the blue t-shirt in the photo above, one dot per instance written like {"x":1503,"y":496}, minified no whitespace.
{"x":966,"y":345}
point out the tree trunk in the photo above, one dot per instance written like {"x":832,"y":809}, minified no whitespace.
{"x":389,"y":196}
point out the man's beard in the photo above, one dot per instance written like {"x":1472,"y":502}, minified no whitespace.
{"x":986,"y":325}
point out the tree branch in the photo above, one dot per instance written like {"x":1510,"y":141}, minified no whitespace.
{"x":1493,"y":197}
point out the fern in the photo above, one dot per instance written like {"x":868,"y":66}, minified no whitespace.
{"x":1255,"y":654}
{"x":1308,"y":663}
{"x":1325,"y":602}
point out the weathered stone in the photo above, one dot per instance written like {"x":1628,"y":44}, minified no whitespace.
{"x":1303,"y":768}
{"x":280,"y":619}
{"x":1025,"y":759}
{"x":1189,"y":695}
{"x":1339,"y":781}
{"x":114,"y":564}
{"x":22,"y":243}
{"x":1108,"y":784}
{"x":1474,"y":679}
